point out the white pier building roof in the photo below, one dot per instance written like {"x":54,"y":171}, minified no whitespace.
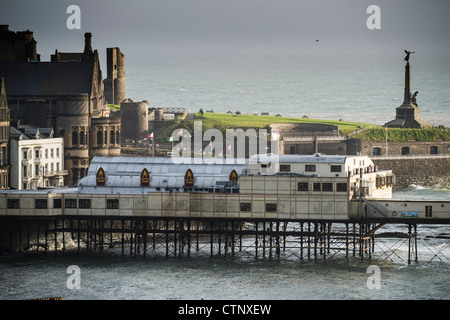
{"x":124,"y":174}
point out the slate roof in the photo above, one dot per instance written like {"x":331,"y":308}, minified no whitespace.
{"x":46,"y":78}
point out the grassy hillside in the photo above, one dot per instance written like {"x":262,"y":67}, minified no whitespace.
{"x":223,"y":121}
{"x":402,"y":135}
{"x":113,"y":106}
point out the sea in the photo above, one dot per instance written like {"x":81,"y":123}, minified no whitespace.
{"x":365,"y":88}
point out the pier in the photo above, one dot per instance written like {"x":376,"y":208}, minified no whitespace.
{"x":311,"y":208}
{"x":177,"y":237}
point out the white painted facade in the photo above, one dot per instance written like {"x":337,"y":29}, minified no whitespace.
{"x":37,"y":163}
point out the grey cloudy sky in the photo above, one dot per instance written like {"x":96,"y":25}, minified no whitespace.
{"x":145,"y":26}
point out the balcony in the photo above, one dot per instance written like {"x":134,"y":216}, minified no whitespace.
{"x":49,"y":174}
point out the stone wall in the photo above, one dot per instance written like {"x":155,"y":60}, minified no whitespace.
{"x":367,"y":148}
{"x":422,"y":171}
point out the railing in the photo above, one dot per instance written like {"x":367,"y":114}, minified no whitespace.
{"x":374,"y":206}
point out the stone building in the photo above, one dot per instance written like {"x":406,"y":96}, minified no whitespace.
{"x":310,"y":138}
{"x":65,"y":94}
{"x":17,"y":46}
{"x":4,"y":137}
{"x":134,"y":120}
{"x":115,"y":81}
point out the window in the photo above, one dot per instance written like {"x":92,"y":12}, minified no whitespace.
{"x":99,"y":138}
{"x":52,"y":153}
{"x":74,"y":137}
{"x":336,"y":168}
{"x":405,"y":151}
{"x":433,"y":150}
{"x":112,"y":137}
{"x":57,"y":203}
{"x":81,"y":137}
{"x":112,"y":203}
{"x":380,"y":181}
{"x":246,"y":206}
{"x":84,"y":203}
{"x":271,"y":207}
{"x":57,"y":152}
{"x":70,"y":203}
{"x":341,"y":187}
{"x":316,"y":186}
{"x":302,"y":186}
{"x":13,"y":203}
{"x":36,"y":154}
{"x":376,"y":151}
{"x":389,"y":180}
{"x":428,"y":211}
{"x":292,"y":150}
{"x":310,"y":168}
{"x":285,"y":168}
{"x":327,"y":186}
{"x":40,"y":203}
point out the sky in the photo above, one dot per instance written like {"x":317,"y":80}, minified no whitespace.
{"x":143,"y":27}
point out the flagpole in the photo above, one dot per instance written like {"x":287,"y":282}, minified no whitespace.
{"x":153,"y":144}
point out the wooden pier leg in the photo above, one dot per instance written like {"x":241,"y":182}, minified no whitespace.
{"x":167,"y":238}
{"x":226,"y":238}
{"x":37,"y":239}
{"x":155,"y":223}
{"x":137,"y":237}
{"x":197,"y":245}
{"x":301,"y":240}
{"x":415,"y":241}
{"x":278,"y":248}
{"x":123,"y":237}
{"x":189,"y":238}
{"x":270,"y":240}
{"x":46,"y":237}
{"x":63,"y":237}
{"x":78,"y":236}
{"x":316,"y":235}
{"x":56,"y":236}
{"x":232,"y":238}
{"x":28,"y":234}
{"x":111,"y":225}
{"x":409,"y":244}
{"x":175,"y":238}
{"x":240,"y":236}
{"x":324,"y":240}
{"x":212,"y":236}
{"x":145,"y":236}
{"x":346,"y":240}
{"x":20,"y":234}
{"x":329,"y":237}
{"x":88,"y":242}
{"x":256,"y":240}
{"x":309,"y":240}
{"x":361,"y":241}
{"x":131,"y":237}
{"x":219,"y":231}
{"x":264,"y":239}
